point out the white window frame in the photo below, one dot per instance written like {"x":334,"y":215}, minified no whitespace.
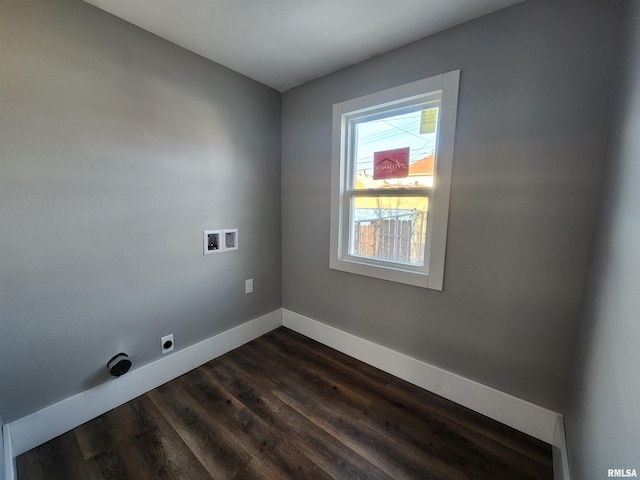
{"x":432,"y":274}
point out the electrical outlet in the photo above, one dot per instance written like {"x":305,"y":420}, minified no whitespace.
{"x":166,"y":344}
{"x":248,"y":286}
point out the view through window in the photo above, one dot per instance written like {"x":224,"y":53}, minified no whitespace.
{"x":394,"y":152}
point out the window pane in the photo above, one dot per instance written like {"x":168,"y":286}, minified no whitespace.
{"x":397,"y":151}
{"x":389,"y":228}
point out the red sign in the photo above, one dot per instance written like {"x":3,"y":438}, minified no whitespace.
{"x":391,"y":164}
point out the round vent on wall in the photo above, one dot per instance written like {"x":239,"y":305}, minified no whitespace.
{"x":119,"y":364}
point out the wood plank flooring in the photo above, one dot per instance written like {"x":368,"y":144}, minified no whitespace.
{"x":286,"y":407}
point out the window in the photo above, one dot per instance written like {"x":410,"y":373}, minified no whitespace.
{"x":391,"y":178}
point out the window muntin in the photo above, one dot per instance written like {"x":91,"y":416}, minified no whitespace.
{"x":391,"y":175}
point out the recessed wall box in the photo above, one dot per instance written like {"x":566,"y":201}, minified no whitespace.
{"x":212,"y":241}
{"x":230,"y":239}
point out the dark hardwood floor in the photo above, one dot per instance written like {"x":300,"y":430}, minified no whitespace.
{"x":281,"y":407}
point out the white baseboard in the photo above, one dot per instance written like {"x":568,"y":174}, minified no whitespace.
{"x":41,"y":426}
{"x":507,"y":409}
{"x":28,"y":432}
{"x":560,"y":458}
{"x":8,"y":458}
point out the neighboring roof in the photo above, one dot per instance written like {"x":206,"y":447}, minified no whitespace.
{"x":423,"y":166}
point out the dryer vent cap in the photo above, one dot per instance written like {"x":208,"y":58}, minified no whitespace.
{"x":119,"y":364}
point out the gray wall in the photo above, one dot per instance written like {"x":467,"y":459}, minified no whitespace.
{"x":531,"y":141}
{"x":117,"y":149}
{"x":602,"y":416}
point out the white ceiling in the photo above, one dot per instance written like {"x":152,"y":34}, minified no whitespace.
{"x":284,"y":43}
